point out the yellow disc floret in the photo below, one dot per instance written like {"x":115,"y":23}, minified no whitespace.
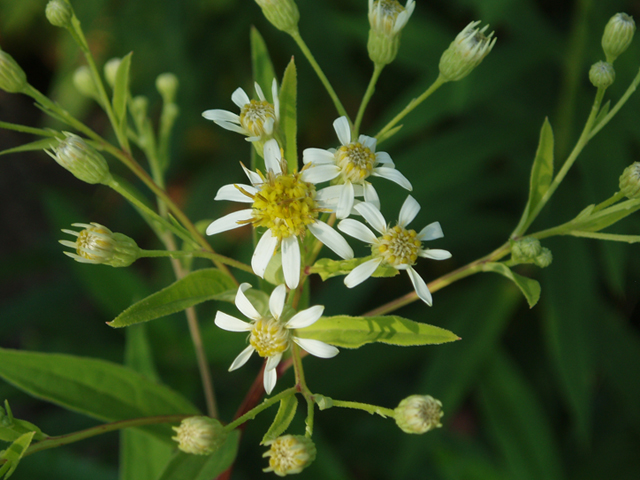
{"x":290,"y":454}
{"x":355,"y":161}
{"x":95,"y":243}
{"x":398,"y":246}
{"x":254,"y":116}
{"x":269,"y":337}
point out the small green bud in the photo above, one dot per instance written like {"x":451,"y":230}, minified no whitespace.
{"x":290,"y":454}
{"x":83,"y":81}
{"x":602,"y":74}
{"x":466,"y":52}
{"x":111,"y":70}
{"x":525,"y":249}
{"x":544,"y":259}
{"x":200,"y":435}
{"x":418,"y":414}
{"x":59,"y":13}
{"x":387,"y":19}
{"x":12,"y":77}
{"x":84,"y":161}
{"x":283,"y":14}
{"x":630,"y":181}
{"x":167,"y":85}
{"x":98,"y":245}
{"x":617,"y":35}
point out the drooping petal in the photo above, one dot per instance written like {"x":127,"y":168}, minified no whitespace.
{"x":291,"y":261}
{"x":265,"y":249}
{"x":244,"y":305}
{"x":357,"y":230}
{"x":269,"y":380}
{"x":393,"y":175}
{"x":435,"y":254}
{"x":233,"y":194}
{"x":420,"y":286}
{"x":320,"y":173}
{"x":276,"y":301}
{"x":362,"y":272}
{"x":408,"y":212}
{"x":343,"y":131}
{"x":372,"y":215}
{"x":316,"y":347}
{"x":317,"y":156}
{"x":242,"y":358}
{"x":345,"y":203}
{"x":240,"y":98}
{"x":370,"y":195}
{"x":306,"y":317}
{"x":430,"y":232}
{"x":218,"y":115}
{"x":230,"y":323}
{"x":332,"y":239}
{"x":273,"y":361}
{"x":230,"y":221}
{"x":272,"y":156}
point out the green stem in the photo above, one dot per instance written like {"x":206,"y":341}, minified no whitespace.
{"x":618,"y":106}
{"x":377,"y":70}
{"x":609,"y":201}
{"x":297,"y":367}
{"x":383,"y":412}
{"x":197,"y":253}
{"x":251,"y":414}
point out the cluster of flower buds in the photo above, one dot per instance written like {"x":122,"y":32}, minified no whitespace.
{"x":529,"y":250}
{"x":99,"y":245}
{"x":200,"y":435}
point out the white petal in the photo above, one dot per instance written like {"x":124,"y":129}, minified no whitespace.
{"x":259,"y":92}
{"x":231,"y":193}
{"x":357,"y":230}
{"x":435,"y":254}
{"x":332,"y":239}
{"x":268,"y":125}
{"x":408,"y":212}
{"x":230,"y":323}
{"x":321,"y":173}
{"x":341,"y":126}
{"x":345,"y":203}
{"x":272,"y":156}
{"x":383,"y":158}
{"x":273,"y":361}
{"x":316,"y":347}
{"x":430,"y":232}
{"x":244,"y":305}
{"x":232,"y":127}
{"x":372,"y":215}
{"x":370,"y":195}
{"x":230,"y":221}
{"x":420,"y":286}
{"x":369,"y":142}
{"x":361,"y":272}
{"x":306,"y":317}
{"x":276,"y":301}
{"x":240,"y":97}
{"x":253,"y":177}
{"x":291,"y":261}
{"x":265,"y":249}
{"x":269,"y":380}
{"x":329,"y":195}
{"x":242,"y":358}
{"x":221,"y":116}
{"x":393,"y":175}
{"x":276,"y":100}
{"x":317,"y":156}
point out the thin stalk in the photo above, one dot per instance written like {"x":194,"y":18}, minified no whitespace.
{"x":608,"y":202}
{"x":377,"y":70}
{"x":383,"y":412}
{"x":251,"y":414}
{"x":614,"y":110}
{"x":197,"y":253}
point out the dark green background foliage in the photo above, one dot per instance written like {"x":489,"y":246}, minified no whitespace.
{"x":549,"y":393}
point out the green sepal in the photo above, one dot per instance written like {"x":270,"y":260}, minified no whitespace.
{"x":286,"y":413}
{"x":121,"y":93}
{"x":354,"y":332}
{"x":31,"y":146}
{"x":328,"y":268}
{"x":288,"y":105}
{"x":529,"y":287}
{"x":14,"y":453}
{"x":263,"y":72}
{"x":194,"y":288}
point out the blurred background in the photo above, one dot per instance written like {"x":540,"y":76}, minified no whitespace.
{"x":548,"y":393}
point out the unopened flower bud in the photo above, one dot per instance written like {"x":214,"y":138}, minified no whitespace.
{"x":466,"y":52}
{"x":387,"y":19}
{"x":283,"y":14}
{"x":617,"y":35}
{"x":81,"y":159}
{"x":630,"y":181}
{"x":544,"y":259}
{"x":83,"y":81}
{"x":167,"y":85}
{"x":200,"y":435}
{"x":98,"y":245}
{"x":59,"y":13}
{"x":290,"y":454}
{"x":602,"y":74}
{"x":12,"y":77}
{"x":525,"y":249}
{"x":111,"y":70}
{"x":418,"y":414}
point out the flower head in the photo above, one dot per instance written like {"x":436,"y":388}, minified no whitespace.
{"x":466,"y":52}
{"x":290,"y":454}
{"x":617,"y":35}
{"x":387,"y":19}
{"x":200,"y":435}
{"x":398,"y":246}
{"x":349,"y":167}
{"x":270,"y":336}
{"x":287,"y":206}
{"x":99,"y":245}
{"x":419,"y":414}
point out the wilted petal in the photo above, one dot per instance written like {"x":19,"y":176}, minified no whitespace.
{"x":420,"y":286}
{"x":244,"y":305}
{"x":430,"y":232}
{"x":332,"y":239}
{"x":230,"y":323}
{"x":306,"y":317}
{"x":276,"y":301}
{"x":343,"y":130}
{"x":230,"y":221}
{"x":265,"y":249}
{"x":291,"y":261}
{"x":357,"y":230}
{"x":408,"y":212}
{"x":362,"y":272}
{"x":316,"y":347}
{"x":242,"y":358}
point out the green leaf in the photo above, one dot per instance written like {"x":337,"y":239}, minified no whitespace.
{"x":594,"y":222}
{"x":288,"y":104}
{"x":263,"y":72}
{"x":36,"y":145}
{"x":529,"y":287}
{"x":97,"y":388}
{"x":12,"y":428}
{"x":121,"y":91}
{"x":607,"y":236}
{"x":184,"y":466}
{"x":541,"y":175}
{"x":23,"y":128}
{"x":353,"y":332}
{"x":14,"y":453}
{"x":195,"y":288}
{"x":286,"y":413}
{"x":327,"y":268}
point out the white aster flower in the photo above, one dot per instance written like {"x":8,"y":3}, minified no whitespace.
{"x":287,"y":206}
{"x":349,"y":166}
{"x":397,"y":246}
{"x":258,"y":119}
{"x":388,"y":16}
{"x":271,"y":336}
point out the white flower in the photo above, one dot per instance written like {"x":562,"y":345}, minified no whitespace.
{"x":388,"y":16}
{"x":396,"y":246}
{"x":350,"y":166}
{"x":258,"y":118}
{"x":287,"y":206}
{"x":270,"y":336}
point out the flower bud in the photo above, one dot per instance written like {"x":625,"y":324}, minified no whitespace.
{"x":111,"y":70}
{"x":290,"y":454}
{"x":544,"y":259}
{"x":525,"y":249}
{"x":283,"y":14}
{"x":59,"y":13}
{"x":602,"y":74}
{"x":466,"y":52}
{"x":617,"y":35}
{"x":167,"y":85}
{"x":418,"y":414}
{"x":86,"y":164}
{"x":387,"y":19}
{"x":98,"y":245}
{"x":12,"y":77}
{"x":200,"y":435}
{"x":83,"y":81}
{"x":630,"y":181}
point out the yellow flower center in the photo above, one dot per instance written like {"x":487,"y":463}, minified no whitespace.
{"x":269,"y":337}
{"x":254,"y":114}
{"x":398,"y":246}
{"x":288,"y":455}
{"x":95,"y":244}
{"x":355,"y":161}
{"x":285,"y":205}
{"x":389,"y":10}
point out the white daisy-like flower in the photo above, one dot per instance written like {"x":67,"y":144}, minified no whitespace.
{"x":349,"y":167}
{"x":271,"y":336}
{"x":258,"y":119}
{"x":287,"y":206}
{"x":388,"y":16}
{"x":397,"y":246}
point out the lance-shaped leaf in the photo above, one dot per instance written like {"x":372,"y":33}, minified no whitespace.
{"x":353,"y":332}
{"x":263,"y":72}
{"x":288,"y":116}
{"x":97,"y":388}
{"x":196,"y":287}
{"x":12,"y":455}
{"x":594,"y":222}
{"x":529,"y":287}
{"x":286,"y":412}
{"x":24,"y":128}
{"x":121,"y":91}
{"x":327,"y":268}
{"x":31,"y":146}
